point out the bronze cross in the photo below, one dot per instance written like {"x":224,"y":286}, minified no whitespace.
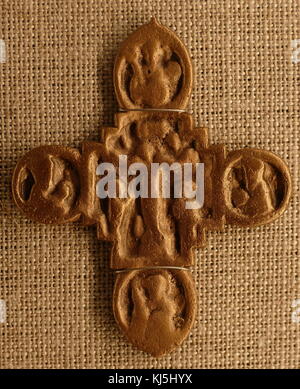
{"x":153,"y":239}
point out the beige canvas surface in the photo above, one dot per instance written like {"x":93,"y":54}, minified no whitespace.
{"x":56,"y":88}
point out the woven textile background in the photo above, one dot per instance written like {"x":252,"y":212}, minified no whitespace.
{"x":56,"y":88}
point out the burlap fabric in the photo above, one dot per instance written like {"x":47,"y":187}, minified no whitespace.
{"x":56,"y":88}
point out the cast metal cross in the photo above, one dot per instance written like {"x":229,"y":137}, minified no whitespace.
{"x":153,"y":239}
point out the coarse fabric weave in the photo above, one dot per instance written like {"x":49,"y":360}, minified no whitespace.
{"x":56,"y":88}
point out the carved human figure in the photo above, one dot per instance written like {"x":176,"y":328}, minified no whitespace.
{"x":154,"y":307}
{"x":161,"y":226}
{"x":253,"y":192}
{"x":154,"y":67}
{"x":256,"y":186}
{"x":46,"y":184}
